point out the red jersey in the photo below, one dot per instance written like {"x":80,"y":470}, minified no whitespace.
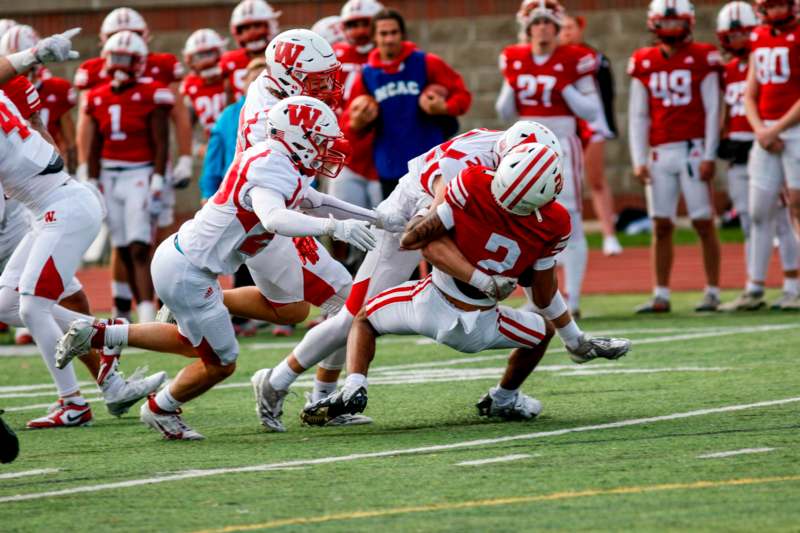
{"x":495,"y":240}
{"x":123,"y":118}
{"x":673,"y":88}
{"x":58,"y":97}
{"x":163,"y":68}
{"x":360,"y":160}
{"x":24,"y":95}
{"x":234,"y":67}
{"x":208,"y":99}
{"x":776,"y":56}
{"x":537,"y":88}
{"x":733,"y":84}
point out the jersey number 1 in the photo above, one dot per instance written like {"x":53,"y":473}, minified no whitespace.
{"x":115,"y":112}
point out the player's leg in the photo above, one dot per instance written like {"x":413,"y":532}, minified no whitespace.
{"x":413,"y":307}
{"x":121,"y":291}
{"x":602,"y":199}
{"x":789,"y":249}
{"x":351,"y":188}
{"x":575,"y":255}
{"x":139,"y":232}
{"x":662,"y":203}
{"x":698,"y":197}
{"x":60,"y":239}
{"x":528,"y":335}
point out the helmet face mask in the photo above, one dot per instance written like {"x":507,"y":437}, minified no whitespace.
{"x":125,"y":57}
{"x":253,"y":36}
{"x":356,"y":16}
{"x":203,"y":51}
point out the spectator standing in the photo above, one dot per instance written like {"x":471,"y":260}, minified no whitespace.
{"x":411,"y":92}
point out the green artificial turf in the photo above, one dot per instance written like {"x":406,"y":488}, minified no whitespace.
{"x":644,"y":476}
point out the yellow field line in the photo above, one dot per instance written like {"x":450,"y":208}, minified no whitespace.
{"x":471,"y":504}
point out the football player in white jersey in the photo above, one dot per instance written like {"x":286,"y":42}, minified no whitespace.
{"x":66,"y":218}
{"x":262,"y":195}
{"x":389,"y":265}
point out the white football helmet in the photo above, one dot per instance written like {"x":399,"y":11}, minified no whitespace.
{"x":330,"y":29}
{"x":247,"y":13}
{"x":125,"y":55}
{"x":735,"y":17}
{"x":671,"y":20}
{"x":300,"y":62}
{"x":307,"y":130}
{"x":787,"y":17}
{"x":526,"y":131}
{"x":123,"y":18}
{"x":5,"y":25}
{"x":360,"y":9}
{"x":202,"y":52}
{"x":529,"y":177}
{"x":18,"y":38}
{"x":531,"y":10}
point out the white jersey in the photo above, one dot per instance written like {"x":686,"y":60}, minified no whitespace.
{"x":226,"y":231}
{"x":24,"y":154}
{"x":475,"y":147}
{"x":253,"y":117}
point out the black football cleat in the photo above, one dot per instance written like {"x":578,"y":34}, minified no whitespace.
{"x":339,"y":403}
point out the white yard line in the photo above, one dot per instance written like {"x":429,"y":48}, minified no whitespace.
{"x":420,"y":376}
{"x":734,"y":452}
{"x":26,"y":473}
{"x":503,"y":459}
{"x":82,"y":489}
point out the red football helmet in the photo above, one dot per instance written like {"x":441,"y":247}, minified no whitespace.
{"x":782,"y":17}
{"x":671,"y":21}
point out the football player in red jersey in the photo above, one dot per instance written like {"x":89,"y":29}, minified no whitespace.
{"x":594,"y":143}
{"x":772,"y":104}
{"x":505,"y":225}
{"x":735,"y":22}
{"x":162,"y":67}
{"x":674,"y":133}
{"x":204,"y":86}
{"x":554,"y":84}
{"x":56,"y":94}
{"x":253,"y":24}
{"x":129,"y":156}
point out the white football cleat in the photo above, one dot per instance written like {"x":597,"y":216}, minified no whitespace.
{"x":523,"y":407}
{"x":165,"y":315}
{"x":67,"y":415}
{"x":611,"y":245}
{"x":121,"y":398}
{"x":269,"y":401}
{"x":78,"y":340}
{"x":170,"y":425}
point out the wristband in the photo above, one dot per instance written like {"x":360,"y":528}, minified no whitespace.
{"x":480,"y":280}
{"x":445,"y":213}
{"x":22,"y":61}
{"x":556,"y":308}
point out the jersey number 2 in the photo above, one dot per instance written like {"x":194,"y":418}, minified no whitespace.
{"x":495,"y":243}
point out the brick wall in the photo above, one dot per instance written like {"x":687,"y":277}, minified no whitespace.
{"x":468,"y":34}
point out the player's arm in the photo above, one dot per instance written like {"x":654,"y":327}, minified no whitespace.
{"x":270,"y":207}
{"x":709,"y":92}
{"x":506,"y":104}
{"x":766,"y":137}
{"x":84,"y":133}
{"x":638,"y":128}
{"x":36,"y":123}
{"x":67,"y":126}
{"x":159,"y":136}
{"x":324,"y":205}
{"x":459,"y":98}
{"x":51,"y":49}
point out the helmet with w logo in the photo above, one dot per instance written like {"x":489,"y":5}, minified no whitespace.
{"x":125,"y":55}
{"x":300,"y":62}
{"x":529,"y":177}
{"x":307,"y":130}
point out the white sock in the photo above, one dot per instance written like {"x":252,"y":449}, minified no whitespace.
{"x":166,"y":402}
{"x":754,"y":287}
{"x":661,"y":292}
{"x":75,"y":400}
{"x":791,"y":286}
{"x":712,"y":290}
{"x":322,"y":389}
{"x":355,"y":381}
{"x":117,"y":335}
{"x":574,"y":258}
{"x":64,"y":317}
{"x":282,"y":376}
{"x":146,"y":311}
{"x":502,"y":396}
{"x":570,"y":334}
{"x":121,"y":289}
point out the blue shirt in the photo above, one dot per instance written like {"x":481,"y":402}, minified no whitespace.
{"x":403,"y":130}
{"x":221,"y":149}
